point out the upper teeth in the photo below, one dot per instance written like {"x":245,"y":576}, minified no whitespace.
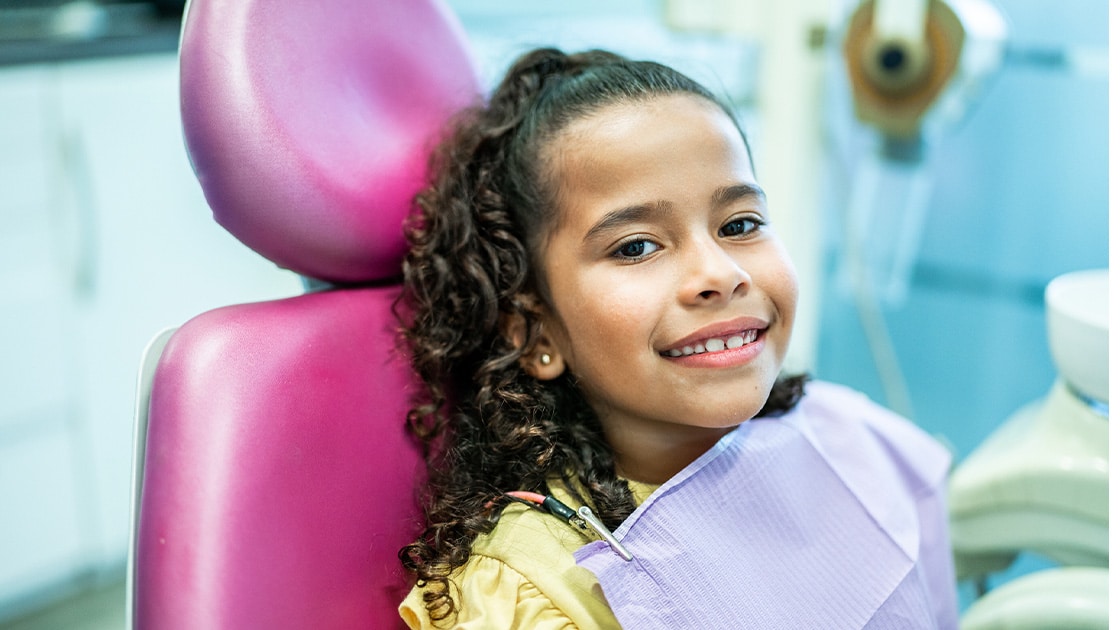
{"x":715,"y":344}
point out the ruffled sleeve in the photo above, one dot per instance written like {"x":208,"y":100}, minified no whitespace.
{"x":494,"y":595}
{"x":523,"y":575}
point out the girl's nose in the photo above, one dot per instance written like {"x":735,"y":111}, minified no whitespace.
{"x":712,"y":274}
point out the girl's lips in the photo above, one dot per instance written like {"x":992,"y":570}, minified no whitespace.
{"x":719,"y":336}
{"x":715,"y":344}
{"x":727,"y":357}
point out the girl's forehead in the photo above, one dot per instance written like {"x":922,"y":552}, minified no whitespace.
{"x":629,"y":133}
{"x":620,"y":118}
{"x":672,"y":152}
{"x":625,"y":131}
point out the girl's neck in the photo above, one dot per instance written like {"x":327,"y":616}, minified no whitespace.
{"x":653,"y":454}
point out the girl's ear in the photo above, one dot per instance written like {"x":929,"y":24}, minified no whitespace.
{"x":545,"y":361}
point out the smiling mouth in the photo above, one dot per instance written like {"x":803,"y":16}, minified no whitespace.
{"x":715,"y":344}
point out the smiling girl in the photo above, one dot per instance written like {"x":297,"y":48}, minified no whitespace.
{"x":597,"y":300}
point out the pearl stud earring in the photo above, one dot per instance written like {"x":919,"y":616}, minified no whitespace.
{"x":546,"y":358}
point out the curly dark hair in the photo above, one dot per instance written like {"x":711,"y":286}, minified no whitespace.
{"x":486,"y":425}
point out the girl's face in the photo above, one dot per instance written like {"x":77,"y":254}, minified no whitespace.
{"x":672,"y":299}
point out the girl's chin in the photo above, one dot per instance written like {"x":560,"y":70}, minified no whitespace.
{"x":728,"y":418}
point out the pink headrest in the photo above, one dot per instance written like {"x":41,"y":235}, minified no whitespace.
{"x":309,"y":125}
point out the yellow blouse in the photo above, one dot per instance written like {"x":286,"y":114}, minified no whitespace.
{"x":522,"y":575}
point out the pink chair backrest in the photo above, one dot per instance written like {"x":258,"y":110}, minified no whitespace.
{"x":279,"y":480}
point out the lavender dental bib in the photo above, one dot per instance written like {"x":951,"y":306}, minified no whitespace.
{"x":830,"y":516}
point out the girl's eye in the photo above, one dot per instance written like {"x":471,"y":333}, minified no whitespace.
{"x":739,"y":227}
{"x":636,"y":249}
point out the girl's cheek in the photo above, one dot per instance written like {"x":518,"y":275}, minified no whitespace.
{"x":631,"y":299}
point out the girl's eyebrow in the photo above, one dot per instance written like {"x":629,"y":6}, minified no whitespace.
{"x":649,"y":211}
{"x":728,"y":194}
{"x":627,"y":215}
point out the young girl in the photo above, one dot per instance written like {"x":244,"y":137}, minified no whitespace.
{"x":598,"y":307}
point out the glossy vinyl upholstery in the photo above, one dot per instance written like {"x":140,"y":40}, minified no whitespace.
{"x":277,"y":481}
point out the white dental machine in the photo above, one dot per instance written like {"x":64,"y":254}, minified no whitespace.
{"x":1039,"y":483}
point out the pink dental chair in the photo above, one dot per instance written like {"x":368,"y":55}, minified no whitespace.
{"x":274,"y":480}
